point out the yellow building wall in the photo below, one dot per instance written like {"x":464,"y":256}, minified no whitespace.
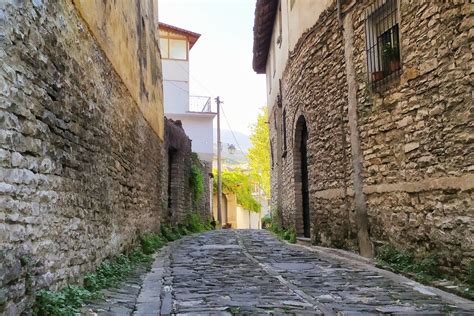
{"x":126,"y":30}
{"x":237,"y":216}
{"x":243,"y":217}
{"x":232,"y":209}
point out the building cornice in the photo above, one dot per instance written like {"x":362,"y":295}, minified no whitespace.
{"x":265,"y":12}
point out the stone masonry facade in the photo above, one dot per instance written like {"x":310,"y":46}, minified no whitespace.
{"x":415,"y":134}
{"x":179,"y":159}
{"x":83,"y":167}
{"x":203,"y":204}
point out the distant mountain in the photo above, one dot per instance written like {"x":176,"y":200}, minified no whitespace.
{"x":238,"y":158}
{"x":227,"y":138}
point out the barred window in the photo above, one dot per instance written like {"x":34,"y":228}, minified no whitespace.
{"x":383,"y":42}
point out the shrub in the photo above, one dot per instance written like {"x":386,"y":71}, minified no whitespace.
{"x":286,"y":234}
{"x":194,"y":223}
{"x":168,"y":233}
{"x":183,"y":231}
{"x":151,"y":242}
{"x":470,"y":273}
{"x":54,"y":304}
{"x":428,"y":266}
{"x":266,"y":221}
{"x":403,"y":261}
{"x":292,"y":238}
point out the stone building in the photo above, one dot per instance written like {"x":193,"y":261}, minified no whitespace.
{"x":371,"y":122}
{"x":83,"y":168}
{"x":193,"y":112}
{"x":179,"y":160}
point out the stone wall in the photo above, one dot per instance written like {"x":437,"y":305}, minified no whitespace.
{"x":415,"y":135}
{"x":125,"y":30}
{"x":203,"y":204}
{"x":81,"y":168}
{"x":314,"y":87}
{"x":178,"y":160}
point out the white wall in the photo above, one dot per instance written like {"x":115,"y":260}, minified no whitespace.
{"x":295,"y":21}
{"x":175,"y":86}
{"x":242,"y":219}
{"x":198,"y":127}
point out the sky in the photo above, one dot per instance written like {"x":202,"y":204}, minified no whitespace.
{"x":221,"y":60}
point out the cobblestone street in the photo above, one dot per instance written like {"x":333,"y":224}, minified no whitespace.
{"x":250,"y":272}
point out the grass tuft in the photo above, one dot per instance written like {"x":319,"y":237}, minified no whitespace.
{"x":402,"y":261}
{"x":282,"y":233}
{"x":67,"y":301}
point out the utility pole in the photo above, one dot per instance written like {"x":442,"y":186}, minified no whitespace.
{"x":220,"y":216}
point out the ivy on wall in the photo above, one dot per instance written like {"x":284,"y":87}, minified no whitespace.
{"x":196,"y":179}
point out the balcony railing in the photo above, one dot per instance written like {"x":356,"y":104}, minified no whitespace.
{"x":200,"y":104}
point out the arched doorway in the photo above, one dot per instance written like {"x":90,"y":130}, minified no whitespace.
{"x":303,"y":221}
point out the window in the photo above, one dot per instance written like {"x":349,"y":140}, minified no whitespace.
{"x":164,"y":47}
{"x":284,"y":132}
{"x":383,"y":42}
{"x":173,"y":46}
{"x":178,"y":49}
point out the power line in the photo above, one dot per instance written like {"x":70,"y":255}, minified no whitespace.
{"x":171,"y":82}
{"x":222,"y":108}
{"x":230,"y":128}
{"x":194,"y":78}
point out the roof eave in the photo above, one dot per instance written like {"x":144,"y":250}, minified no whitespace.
{"x":192,"y":36}
{"x":265,"y":12}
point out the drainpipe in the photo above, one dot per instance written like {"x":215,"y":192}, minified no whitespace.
{"x":365,"y":245}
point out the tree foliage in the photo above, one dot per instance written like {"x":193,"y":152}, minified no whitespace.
{"x":259,"y":153}
{"x":240,"y":184}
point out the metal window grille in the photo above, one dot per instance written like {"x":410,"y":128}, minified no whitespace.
{"x":382,"y":43}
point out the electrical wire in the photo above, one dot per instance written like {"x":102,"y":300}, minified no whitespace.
{"x":230,"y":128}
{"x":171,"y":82}
{"x":192,"y":77}
{"x":222,"y":108}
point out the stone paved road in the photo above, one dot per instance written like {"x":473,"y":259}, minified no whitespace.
{"x":250,"y":272}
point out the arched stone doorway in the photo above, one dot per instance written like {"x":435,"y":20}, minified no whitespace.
{"x":300,"y":163}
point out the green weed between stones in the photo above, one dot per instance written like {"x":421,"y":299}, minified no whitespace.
{"x":70,"y":299}
{"x":425,"y":270}
{"x":282,"y":233}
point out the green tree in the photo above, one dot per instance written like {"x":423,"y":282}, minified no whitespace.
{"x":259,"y":153}
{"x":240,"y":184}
